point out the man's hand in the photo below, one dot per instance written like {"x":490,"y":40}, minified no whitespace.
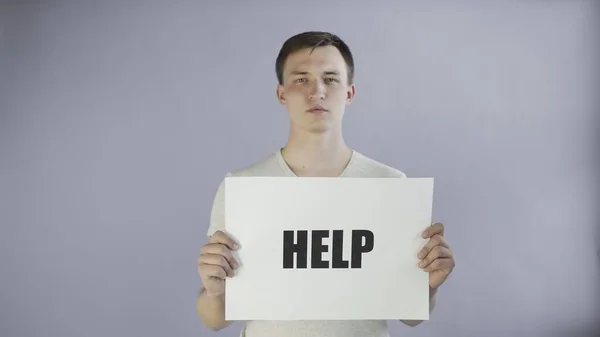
{"x":436,"y":256}
{"x":216,"y":262}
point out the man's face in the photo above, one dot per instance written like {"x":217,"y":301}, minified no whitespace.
{"x":315,"y":88}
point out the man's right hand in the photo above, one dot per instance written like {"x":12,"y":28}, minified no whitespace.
{"x":216,"y":262}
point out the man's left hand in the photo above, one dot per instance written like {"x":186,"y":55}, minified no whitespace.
{"x":436,"y":256}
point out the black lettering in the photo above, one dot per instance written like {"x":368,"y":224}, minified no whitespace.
{"x":300,"y":248}
{"x":295,"y":247}
{"x":357,"y":245}
{"x":337,"y":250}
{"x":318,"y":248}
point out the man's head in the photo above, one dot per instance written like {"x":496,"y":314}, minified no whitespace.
{"x":315,"y":70}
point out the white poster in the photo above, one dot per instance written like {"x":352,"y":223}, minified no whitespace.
{"x":328,"y":248}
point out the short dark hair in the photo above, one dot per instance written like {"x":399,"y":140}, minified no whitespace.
{"x":313,"y":39}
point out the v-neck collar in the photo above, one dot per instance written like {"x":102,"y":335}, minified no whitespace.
{"x":284,"y":165}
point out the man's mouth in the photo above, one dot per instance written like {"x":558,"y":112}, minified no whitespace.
{"x":316,"y":109}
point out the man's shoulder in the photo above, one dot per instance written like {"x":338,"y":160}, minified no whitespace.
{"x":368,"y":167}
{"x":268,"y":165}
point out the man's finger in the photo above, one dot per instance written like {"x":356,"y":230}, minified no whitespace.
{"x":217,"y":260}
{"x":437,"y":228}
{"x":222,"y":238}
{"x":438,"y":252}
{"x":436,"y":240}
{"x":219,"y":249}
{"x":441,"y":264}
{"x":212,"y":271}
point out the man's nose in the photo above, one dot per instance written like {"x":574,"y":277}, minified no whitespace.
{"x":317,"y":91}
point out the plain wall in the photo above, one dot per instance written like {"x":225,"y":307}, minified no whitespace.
{"x":119,"y":119}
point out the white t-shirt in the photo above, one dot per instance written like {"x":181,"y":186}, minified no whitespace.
{"x":275,"y":166}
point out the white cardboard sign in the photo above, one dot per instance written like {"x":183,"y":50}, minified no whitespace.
{"x":328,"y":248}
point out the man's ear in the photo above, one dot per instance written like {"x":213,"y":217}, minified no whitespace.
{"x":351,"y":92}
{"x":280,"y":94}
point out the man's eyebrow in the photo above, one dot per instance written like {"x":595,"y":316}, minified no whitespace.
{"x":331,"y":72}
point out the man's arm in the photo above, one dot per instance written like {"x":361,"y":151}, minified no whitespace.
{"x":432,"y":301}
{"x":437,"y":259}
{"x":211,"y":310}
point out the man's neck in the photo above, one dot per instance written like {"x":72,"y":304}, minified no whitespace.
{"x":323,"y":154}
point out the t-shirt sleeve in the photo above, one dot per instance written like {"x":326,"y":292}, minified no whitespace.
{"x":217,"y":213}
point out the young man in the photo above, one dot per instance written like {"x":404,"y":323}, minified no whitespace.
{"x":315,"y":74}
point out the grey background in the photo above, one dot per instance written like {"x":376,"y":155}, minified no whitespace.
{"x":119,"y":119}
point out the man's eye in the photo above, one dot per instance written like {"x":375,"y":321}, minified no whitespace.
{"x":329,"y":80}
{"x":301,"y":80}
